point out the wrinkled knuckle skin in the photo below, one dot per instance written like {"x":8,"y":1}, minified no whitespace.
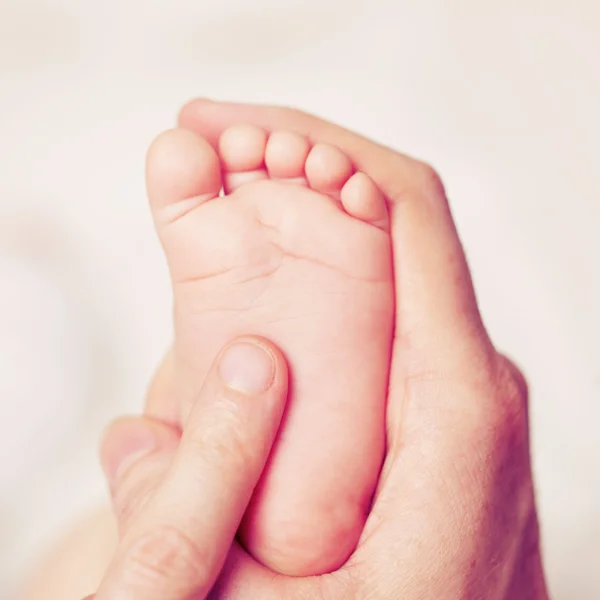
{"x":129,"y":500}
{"x":230,"y":452}
{"x":166,"y":558}
{"x":135,"y":488}
{"x":225,"y":440}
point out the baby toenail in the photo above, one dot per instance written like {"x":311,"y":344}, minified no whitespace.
{"x":247,"y":368}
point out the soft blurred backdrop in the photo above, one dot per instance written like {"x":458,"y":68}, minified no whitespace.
{"x":501,"y":96}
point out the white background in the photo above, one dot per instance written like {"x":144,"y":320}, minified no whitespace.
{"x":502,"y":97}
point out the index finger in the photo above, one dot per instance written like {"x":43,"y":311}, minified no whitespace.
{"x":210,"y":119}
{"x":178,"y":544}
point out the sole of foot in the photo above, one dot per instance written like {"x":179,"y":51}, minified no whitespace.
{"x":268,"y":235}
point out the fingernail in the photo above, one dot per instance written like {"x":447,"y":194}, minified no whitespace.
{"x":247,"y":368}
{"x":128,"y":444}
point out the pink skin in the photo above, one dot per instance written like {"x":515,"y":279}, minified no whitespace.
{"x":221,"y":455}
{"x":454,"y":515}
{"x":298,"y":251}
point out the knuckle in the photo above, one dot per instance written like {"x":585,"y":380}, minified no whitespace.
{"x":512,"y":394}
{"x":166,"y":558}
{"x":224,"y":438}
{"x":136,"y":486}
{"x":418,"y":182}
{"x":134,"y":490}
{"x":505,"y":412}
{"x":508,"y":449}
{"x":430,"y":180}
{"x":496,"y":414}
{"x":516,"y":384}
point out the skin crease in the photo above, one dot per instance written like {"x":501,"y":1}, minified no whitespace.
{"x":454,"y":516}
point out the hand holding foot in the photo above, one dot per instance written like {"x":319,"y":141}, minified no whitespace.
{"x":454,"y":515}
{"x":176,"y":537}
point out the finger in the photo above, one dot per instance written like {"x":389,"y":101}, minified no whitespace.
{"x":136,"y":453}
{"x":210,"y":119}
{"x":179,"y":541}
{"x":438,"y":327}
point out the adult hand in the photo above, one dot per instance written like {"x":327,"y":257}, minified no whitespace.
{"x":176,"y":529}
{"x":454,"y":516}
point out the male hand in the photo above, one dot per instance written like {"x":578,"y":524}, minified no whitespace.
{"x":454,"y":516}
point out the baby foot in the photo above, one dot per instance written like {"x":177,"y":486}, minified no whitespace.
{"x":297,"y":250}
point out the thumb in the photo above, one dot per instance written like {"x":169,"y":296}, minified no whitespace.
{"x":189,"y":497}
